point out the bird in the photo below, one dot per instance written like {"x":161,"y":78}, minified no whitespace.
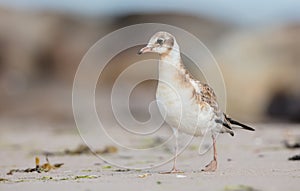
{"x":190,"y":106}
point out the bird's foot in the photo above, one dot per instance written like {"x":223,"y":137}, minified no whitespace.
{"x":211,"y":167}
{"x":173,"y":171}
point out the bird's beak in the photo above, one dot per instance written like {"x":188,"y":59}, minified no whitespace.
{"x":145,"y":49}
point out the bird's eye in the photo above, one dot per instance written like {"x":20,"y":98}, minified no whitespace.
{"x":160,"y":41}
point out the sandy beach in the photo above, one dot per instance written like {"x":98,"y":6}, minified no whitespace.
{"x":247,"y":161}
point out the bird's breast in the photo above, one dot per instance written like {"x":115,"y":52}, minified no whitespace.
{"x":182,"y":111}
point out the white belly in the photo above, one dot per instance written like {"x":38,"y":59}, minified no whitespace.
{"x":182,"y":111}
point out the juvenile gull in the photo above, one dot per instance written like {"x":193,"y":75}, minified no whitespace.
{"x":190,"y":106}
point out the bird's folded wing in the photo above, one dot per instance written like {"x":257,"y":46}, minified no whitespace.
{"x":208,"y":96}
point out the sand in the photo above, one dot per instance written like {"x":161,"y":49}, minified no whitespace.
{"x":258,"y":161}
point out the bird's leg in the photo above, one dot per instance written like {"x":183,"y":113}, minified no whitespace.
{"x":212,"y":166}
{"x":174,"y":170}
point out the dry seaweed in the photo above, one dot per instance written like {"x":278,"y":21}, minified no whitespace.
{"x":144,"y":175}
{"x":38,"y":168}
{"x":3,"y":179}
{"x":291,"y":145}
{"x":295,"y":157}
{"x":239,"y":188}
{"x":85,"y":177}
{"x":46,"y":178}
{"x":50,"y":178}
{"x":86,"y":170}
{"x":122,"y":170}
{"x":106,"y":167}
{"x":82,"y":149}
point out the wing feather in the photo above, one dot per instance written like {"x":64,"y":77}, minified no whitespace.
{"x":208,"y":96}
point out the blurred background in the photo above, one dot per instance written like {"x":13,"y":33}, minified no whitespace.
{"x":256,"y":44}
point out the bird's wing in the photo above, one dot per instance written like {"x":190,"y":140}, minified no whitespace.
{"x":208,"y":96}
{"x":205,"y":94}
{"x":234,"y":122}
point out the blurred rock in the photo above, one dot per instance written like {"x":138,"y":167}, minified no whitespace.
{"x":49,"y":45}
{"x":284,"y":107}
{"x":208,"y":30}
{"x":43,"y":45}
{"x":40,"y":52}
{"x":256,"y":64}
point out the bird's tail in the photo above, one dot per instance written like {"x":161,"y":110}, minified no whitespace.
{"x":233,"y":122}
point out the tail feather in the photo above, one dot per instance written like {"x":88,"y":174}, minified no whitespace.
{"x":225,"y":124}
{"x":246,"y":127}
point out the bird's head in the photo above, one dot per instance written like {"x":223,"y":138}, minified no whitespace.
{"x":160,"y":42}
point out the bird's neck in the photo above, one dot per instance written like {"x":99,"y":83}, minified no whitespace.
{"x":170,"y":64}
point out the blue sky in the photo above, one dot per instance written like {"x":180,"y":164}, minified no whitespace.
{"x":238,"y":11}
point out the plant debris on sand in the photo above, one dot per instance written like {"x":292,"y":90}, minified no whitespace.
{"x":46,"y":167}
{"x":295,"y":157}
{"x":239,"y":188}
{"x":82,"y":149}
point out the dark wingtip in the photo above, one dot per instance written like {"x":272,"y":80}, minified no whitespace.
{"x":139,"y":52}
{"x":234,"y":122}
{"x":247,"y":127}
